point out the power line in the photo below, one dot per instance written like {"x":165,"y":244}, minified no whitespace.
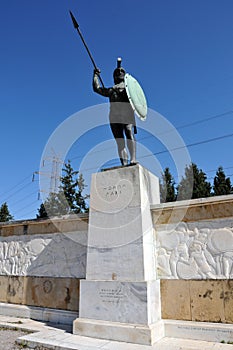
{"x":211,"y":171}
{"x":26,"y":206}
{"x":150,"y":155}
{"x":191,"y":145}
{"x":19,"y":183}
{"x":22,"y":199}
{"x":155,"y":153}
{"x":28,"y":213}
{"x":22,"y":188}
{"x":205,"y":120}
{"x":190,"y":124}
{"x":216,"y":116}
{"x":175,"y":149}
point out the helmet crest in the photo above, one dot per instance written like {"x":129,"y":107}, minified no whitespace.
{"x":119,"y":72}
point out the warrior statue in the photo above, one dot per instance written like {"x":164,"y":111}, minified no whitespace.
{"x":126,"y":98}
{"x":121,"y":117}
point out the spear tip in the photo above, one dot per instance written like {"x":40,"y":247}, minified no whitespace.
{"x":75,"y":23}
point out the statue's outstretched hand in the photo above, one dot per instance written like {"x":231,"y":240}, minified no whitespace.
{"x":97,"y":71}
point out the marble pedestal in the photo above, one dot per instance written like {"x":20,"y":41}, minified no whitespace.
{"x":120,"y":298}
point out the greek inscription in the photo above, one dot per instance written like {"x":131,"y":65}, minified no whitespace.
{"x":114,"y":191}
{"x":205,"y":329}
{"x":111,"y":295}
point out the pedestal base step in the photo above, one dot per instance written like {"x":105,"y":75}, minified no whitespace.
{"x":124,"y":332}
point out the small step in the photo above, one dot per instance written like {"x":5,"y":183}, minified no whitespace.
{"x":60,"y":340}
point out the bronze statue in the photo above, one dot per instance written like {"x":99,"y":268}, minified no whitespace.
{"x":126,"y":98}
{"x":121,"y":116}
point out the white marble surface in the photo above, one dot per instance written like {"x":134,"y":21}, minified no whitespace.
{"x":196,"y":250}
{"x":125,"y":302}
{"x":38,"y":313}
{"x":58,"y":337}
{"x":114,"y":190}
{"x":57,"y":255}
{"x":121,"y":243}
{"x":199,"y":330}
{"x":54,"y":340}
{"x":120,"y":298}
{"x":119,"y":263}
{"x":124,"y":332}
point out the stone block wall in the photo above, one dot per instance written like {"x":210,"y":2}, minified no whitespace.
{"x":45,"y":292}
{"x":42,"y":262}
{"x":198,"y":300}
{"x":195,"y":258}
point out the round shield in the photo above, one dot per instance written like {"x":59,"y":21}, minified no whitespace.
{"x":136,"y":96}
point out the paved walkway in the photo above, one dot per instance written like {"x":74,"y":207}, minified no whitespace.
{"x":8,"y":338}
{"x":58,"y":337}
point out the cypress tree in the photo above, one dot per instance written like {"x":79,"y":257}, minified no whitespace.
{"x":69,"y":199}
{"x":167,"y":187}
{"x":5,"y":213}
{"x":194,"y":184}
{"x":222,"y":184}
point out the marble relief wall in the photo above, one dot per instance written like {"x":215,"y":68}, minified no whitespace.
{"x":56,"y":255}
{"x":195,"y":250}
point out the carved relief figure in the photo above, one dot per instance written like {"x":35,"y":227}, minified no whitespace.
{"x":163,"y":262}
{"x":45,"y":255}
{"x":197,"y":253}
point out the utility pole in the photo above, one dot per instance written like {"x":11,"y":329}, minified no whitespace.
{"x":55,"y":174}
{"x":52,"y":173}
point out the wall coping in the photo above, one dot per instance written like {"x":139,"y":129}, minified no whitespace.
{"x":185,"y":204}
{"x":39,"y":221}
{"x":64,"y":224}
{"x":217,"y":207}
{"x":193,"y":202}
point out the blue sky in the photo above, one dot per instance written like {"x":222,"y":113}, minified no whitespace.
{"x":180,"y":51}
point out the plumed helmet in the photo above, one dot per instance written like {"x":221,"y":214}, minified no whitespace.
{"x":119,"y":72}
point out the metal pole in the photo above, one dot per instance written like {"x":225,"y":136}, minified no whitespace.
{"x":76,"y":26}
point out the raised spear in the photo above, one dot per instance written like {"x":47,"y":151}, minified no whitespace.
{"x":76,"y":26}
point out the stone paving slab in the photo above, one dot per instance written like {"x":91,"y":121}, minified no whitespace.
{"x":59,"y":337}
{"x":74,"y":342}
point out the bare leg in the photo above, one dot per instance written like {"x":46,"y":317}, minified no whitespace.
{"x":131,"y":143}
{"x":123,"y":155}
{"x":118,"y":133}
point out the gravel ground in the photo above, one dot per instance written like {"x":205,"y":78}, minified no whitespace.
{"x":8,"y":338}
